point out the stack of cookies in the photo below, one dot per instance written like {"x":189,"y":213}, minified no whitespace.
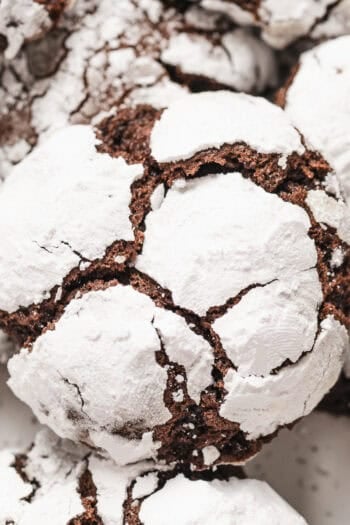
{"x":175,"y":252}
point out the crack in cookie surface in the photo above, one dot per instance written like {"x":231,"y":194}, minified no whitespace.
{"x":194,"y":387}
{"x":19,"y":465}
{"x":285,"y":24}
{"x":89,"y":489}
{"x":65,"y":75}
{"x":88,"y":494}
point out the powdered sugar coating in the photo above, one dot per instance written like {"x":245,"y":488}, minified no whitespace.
{"x":283,"y":21}
{"x":328,"y":210}
{"x":108,"y":385}
{"x":73,"y":202}
{"x":336,"y":24}
{"x":214,"y":244}
{"x":240,"y":62}
{"x":318,"y":103}
{"x":213,"y":119}
{"x":186,"y":348}
{"x":233,"y":502}
{"x":14,"y":489}
{"x":21,"y":20}
{"x":56,"y":475}
{"x":54,"y":469}
{"x":222,"y":232}
{"x":262,"y":404}
{"x":283,"y":321}
{"x":111,"y":483}
{"x":57,"y":471}
{"x":106,"y":54}
{"x":146,"y":485}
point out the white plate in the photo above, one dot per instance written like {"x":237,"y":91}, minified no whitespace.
{"x":310,"y":467}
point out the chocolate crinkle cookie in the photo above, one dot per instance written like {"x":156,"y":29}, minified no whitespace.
{"x":284,"y":21}
{"x":106,"y":53}
{"x":316,"y":98}
{"x":55,"y":482}
{"x":174,"y":281}
{"x":26,"y":20}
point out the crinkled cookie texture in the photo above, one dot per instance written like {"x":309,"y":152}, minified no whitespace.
{"x":55,"y":482}
{"x":105,"y":53}
{"x":317,"y":101}
{"x":180,"y":300}
{"x":26,"y":20}
{"x":284,"y":21}
{"x":233,"y":502}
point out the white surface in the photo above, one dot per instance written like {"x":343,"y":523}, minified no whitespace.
{"x":65,"y":203}
{"x":309,"y":466}
{"x":17,"y":422}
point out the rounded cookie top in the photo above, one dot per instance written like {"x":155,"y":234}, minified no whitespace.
{"x":317,"y":102}
{"x":129,"y":367}
{"x":241,"y":502}
{"x":283,"y":22}
{"x":74,"y":204}
{"x":57,"y":482}
{"x":228,"y":290}
{"x":105,"y":55}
